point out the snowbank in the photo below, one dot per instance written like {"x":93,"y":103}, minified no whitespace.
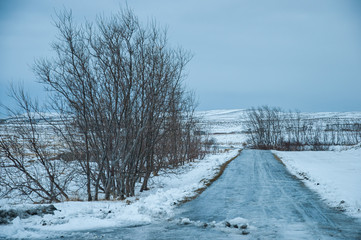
{"x":334,"y":175}
{"x":167,"y":190}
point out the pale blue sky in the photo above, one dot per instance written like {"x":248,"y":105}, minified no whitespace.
{"x":287,"y":53}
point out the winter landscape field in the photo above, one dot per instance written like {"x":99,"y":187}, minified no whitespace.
{"x":207,"y":119}
{"x":334,"y":176}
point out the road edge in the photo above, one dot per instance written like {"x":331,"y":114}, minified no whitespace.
{"x":278,"y":159}
{"x":208,"y":182}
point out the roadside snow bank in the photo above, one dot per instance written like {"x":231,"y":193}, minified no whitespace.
{"x":335,"y":175}
{"x":167,"y":190}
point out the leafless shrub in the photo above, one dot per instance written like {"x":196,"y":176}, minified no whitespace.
{"x":271,"y":128}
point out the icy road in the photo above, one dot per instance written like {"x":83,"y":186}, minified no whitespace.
{"x":255,"y":191}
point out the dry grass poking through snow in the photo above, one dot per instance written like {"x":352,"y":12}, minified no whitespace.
{"x":209,"y":182}
{"x":278,"y":159}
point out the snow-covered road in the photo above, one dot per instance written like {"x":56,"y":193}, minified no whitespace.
{"x":255,"y":190}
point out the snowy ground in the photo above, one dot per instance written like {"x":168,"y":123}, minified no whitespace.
{"x":274,"y":204}
{"x":167,"y":190}
{"x":334,"y":175}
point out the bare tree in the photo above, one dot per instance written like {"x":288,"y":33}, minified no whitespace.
{"x":121,"y":84}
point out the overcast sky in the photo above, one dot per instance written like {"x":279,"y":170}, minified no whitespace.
{"x":302,"y":55}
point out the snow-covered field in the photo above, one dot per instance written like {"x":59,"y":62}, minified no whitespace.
{"x":226,"y":126}
{"x":334,"y":175}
